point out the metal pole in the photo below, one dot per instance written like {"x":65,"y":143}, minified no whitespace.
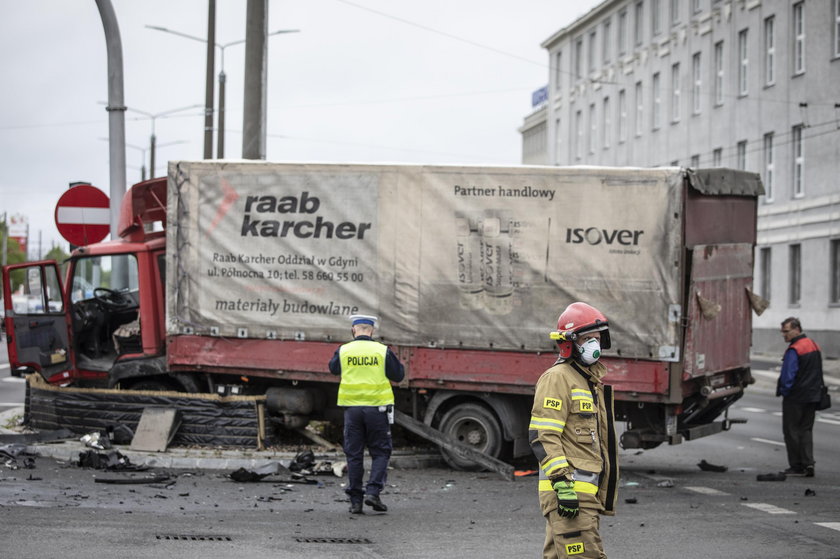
{"x":152,"y":158}
{"x":116,"y":110}
{"x":5,"y":237}
{"x":253,"y":126}
{"x":208,"y":99}
{"x":220,"y":140}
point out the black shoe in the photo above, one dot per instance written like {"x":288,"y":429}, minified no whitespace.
{"x":376,"y":503}
{"x":809,"y":471}
{"x":795,"y":472}
{"x":356,"y":507}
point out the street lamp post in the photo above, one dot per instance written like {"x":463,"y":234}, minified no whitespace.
{"x":220,"y":140}
{"x":153,"y":139}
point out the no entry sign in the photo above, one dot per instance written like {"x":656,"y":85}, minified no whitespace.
{"x":83,"y":215}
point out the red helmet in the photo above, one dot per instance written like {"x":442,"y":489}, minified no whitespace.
{"x":577,"y":319}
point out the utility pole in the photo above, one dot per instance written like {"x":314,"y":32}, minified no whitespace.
{"x":211,"y":65}
{"x":253,"y":126}
{"x":116,"y":110}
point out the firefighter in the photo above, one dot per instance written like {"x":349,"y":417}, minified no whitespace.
{"x":366,"y":368}
{"x":572,"y":435}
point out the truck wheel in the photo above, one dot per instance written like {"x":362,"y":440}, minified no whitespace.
{"x":155,"y":385}
{"x":474,"y":425}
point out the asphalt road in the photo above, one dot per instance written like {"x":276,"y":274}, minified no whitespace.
{"x":668,"y":507}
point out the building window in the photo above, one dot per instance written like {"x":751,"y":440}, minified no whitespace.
{"x":579,"y":57}
{"x":798,"y":163}
{"x":605,"y":43}
{"x":558,"y":141}
{"x":795,"y":274}
{"x":834,"y":270}
{"x":695,"y":160}
{"x":593,"y":128}
{"x":695,"y":83}
{"x":836,"y":27}
{"x":675,"y":92}
{"x":765,"y":263}
{"x":742,"y":155}
{"x":593,"y":38}
{"x":638,"y":23}
{"x":622,"y":32}
{"x":743,"y":62}
{"x":655,"y":18}
{"x":607,"y":123}
{"x":578,"y":135}
{"x":558,"y":70}
{"x":622,"y":116}
{"x":657,"y":102}
{"x":640,"y":108}
{"x":696,"y":6}
{"x":675,"y":163}
{"x":719,"y":73}
{"x":770,"y":50}
{"x":799,"y":38}
{"x":675,"y":11}
{"x":769,"y":167}
{"x":717,"y":157}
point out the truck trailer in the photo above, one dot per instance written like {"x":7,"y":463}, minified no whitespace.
{"x":234,"y":277}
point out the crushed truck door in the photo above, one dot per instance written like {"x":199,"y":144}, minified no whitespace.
{"x":36,"y":322}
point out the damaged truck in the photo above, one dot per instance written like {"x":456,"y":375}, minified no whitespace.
{"x":239,"y":278}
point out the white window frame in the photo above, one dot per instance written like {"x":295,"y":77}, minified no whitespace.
{"x":717,"y":157}
{"x":770,"y":50}
{"x":622,"y":32}
{"x":769,"y":167}
{"x":607,"y":128}
{"x":638,"y":22}
{"x":798,"y":162}
{"x":655,"y":17}
{"x":579,"y":57}
{"x":558,"y":70}
{"x":558,"y":141}
{"x":578,"y":135}
{"x":675,"y":11}
{"x":696,"y":83}
{"x":640,"y":108}
{"x":656,"y":102}
{"x":743,"y":62}
{"x":719,"y":67}
{"x":696,"y":6}
{"x":836,"y":28}
{"x":676,"y":93}
{"x":593,"y":129}
{"x":794,"y":274}
{"x":622,"y":116}
{"x":606,"y":28}
{"x":765,"y":259}
{"x":591,"y":59}
{"x":741,"y":158}
{"x":798,"y":52}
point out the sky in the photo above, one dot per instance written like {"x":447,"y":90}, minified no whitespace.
{"x":362,"y":81}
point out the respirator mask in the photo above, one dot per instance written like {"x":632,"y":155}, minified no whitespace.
{"x":590,"y":351}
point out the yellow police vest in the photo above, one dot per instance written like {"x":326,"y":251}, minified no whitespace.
{"x":363,"y":380}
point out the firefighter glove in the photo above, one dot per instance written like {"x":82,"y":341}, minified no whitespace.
{"x":567,"y":501}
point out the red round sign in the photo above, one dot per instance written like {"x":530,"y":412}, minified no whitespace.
{"x":83,"y":215}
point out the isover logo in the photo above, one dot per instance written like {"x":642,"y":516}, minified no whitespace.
{"x":599,"y":236}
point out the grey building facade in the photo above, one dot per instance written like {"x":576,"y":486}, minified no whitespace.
{"x":747,"y":84}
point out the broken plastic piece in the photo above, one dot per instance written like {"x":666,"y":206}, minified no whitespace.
{"x":707,"y":467}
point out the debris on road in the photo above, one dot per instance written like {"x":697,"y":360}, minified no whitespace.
{"x":810,"y":493}
{"x":708,"y":467}
{"x":12,"y":452}
{"x":631,"y":500}
{"x":113,"y":460}
{"x":153,"y":478}
{"x":96,"y":441}
{"x":665,"y":483}
{"x":771,"y":477}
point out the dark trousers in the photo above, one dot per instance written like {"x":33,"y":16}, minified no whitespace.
{"x":798,"y":428}
{"x":366,"y":426}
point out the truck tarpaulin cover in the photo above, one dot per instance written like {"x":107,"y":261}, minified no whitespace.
{"x":452,"y":256}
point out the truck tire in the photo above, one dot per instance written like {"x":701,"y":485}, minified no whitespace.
{"x":474,"y":425}
{"x":155,"y":385}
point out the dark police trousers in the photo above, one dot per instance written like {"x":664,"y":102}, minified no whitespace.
{"x":366,"y":426}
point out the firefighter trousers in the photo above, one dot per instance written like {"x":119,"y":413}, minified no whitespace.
{"x":578,"y":538}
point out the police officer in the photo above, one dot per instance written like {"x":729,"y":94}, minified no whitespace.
{"x":366,"y":368}
{"x":572,"y":435}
